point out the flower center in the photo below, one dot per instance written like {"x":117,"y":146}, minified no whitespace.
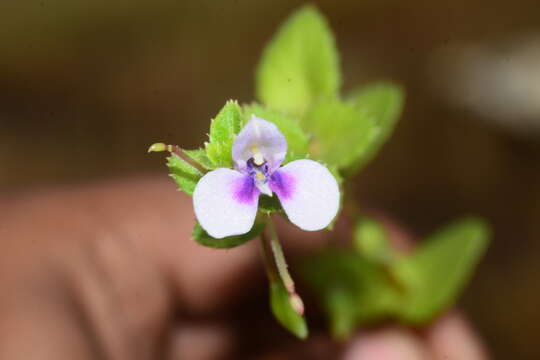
{"x":259,"y":172}
{"x":257,"y":158}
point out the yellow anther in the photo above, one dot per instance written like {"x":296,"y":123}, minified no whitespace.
{"x":260,"y":176}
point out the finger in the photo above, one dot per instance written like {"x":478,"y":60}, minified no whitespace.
{"x":201,"y":342}
{"x":451,"y":337}
{"x":160,"y":220}
{"x":394,"y":343}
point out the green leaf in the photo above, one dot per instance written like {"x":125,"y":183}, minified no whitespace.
{"x":436,"y":272}
{"x":342,"y":307}
{"x":383,"y":104}
{"x":283,"y":311}
{"x":297,"y":140}
{"x":371,"y":240}
{"x":223,"y":130}
{"x":200,"y":157}
{"x":202,"y":237}
{"x":184,"y":174}
{"x":300,"y":65}
{"x":341,"y":133}
{"x":353,"y":290}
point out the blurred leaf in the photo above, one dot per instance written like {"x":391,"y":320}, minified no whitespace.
{"x":341,"y":305}
{"x":269,"y":204}
{"x":341,"y":133}
{"x":297,"y":140}
{"x":300,"y":65}
{"x":383,"y":104}
{"x":200,"y":157}
{"x":436,"y":272}
{"x":283,"y":311}
{"x":353,"y":290}
{"x":371,"y":240}
{"x":223,"y":130}
{"x":202,"y":237}
{"x":185,"y":175}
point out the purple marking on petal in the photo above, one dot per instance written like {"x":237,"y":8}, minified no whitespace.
{"x":244,"y":190}
{"x":282,"y":184}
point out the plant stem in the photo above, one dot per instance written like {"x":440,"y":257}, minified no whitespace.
{"x":279,"y":257}
{"x":267,"y":259}
{"x":281,"y":265}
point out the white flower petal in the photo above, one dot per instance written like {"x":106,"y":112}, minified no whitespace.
{"x":225,"y":203}
{"x":308,"y":193}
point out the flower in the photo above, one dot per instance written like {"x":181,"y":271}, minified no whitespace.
{"x":226,"y":200}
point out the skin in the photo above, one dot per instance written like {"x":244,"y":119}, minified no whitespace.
{"x":108,"y":271}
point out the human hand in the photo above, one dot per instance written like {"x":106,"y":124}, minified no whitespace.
{"x":109,"y":272}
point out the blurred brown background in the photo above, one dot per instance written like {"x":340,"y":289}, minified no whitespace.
{"x":86,"y":86}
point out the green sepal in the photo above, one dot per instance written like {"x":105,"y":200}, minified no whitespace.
{"x":284,"y":312}
{"x":223,"y":130}
{"x":300,"y":65}
{"x":202,"y":237}
{"x":435,"y":274}
{"x":270,"y":204}
{"x":184,"y":174}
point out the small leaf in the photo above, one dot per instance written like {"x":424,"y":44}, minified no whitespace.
{"x":353,"y":291}
{"x":341,"y":133}
{"x":283,"y":311}
{"x":200,"y":157}
{"x":371,"y":240}
{"x":300,"y":65}
{"x":383,"y":104}
{"x":436,"y":272}
{"x":297,"y":140}
{"x":223,"y":130}
{"x":202,"y":237}
{"x":185,"y":175}
{"x":342,"y":305}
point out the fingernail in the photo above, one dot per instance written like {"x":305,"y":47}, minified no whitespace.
{"x":387,"y":344}
{"x":452,"y":329}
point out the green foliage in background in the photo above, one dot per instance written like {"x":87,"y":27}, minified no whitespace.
{"x":340,"y":132}
{"x":375,"y":282}
{"x":435,"y":272}
{"x":381,"y":103}
{"x":300,"y":65}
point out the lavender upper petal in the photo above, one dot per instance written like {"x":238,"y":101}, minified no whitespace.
{"x":264,"y":136}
